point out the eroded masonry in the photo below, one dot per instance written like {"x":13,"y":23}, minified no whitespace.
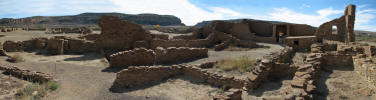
{"x":141,"y":54}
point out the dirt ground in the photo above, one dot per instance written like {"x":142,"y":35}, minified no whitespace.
{"x":344,"y":84}
{"x":87,"y":77}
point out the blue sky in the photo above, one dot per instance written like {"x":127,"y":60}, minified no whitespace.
{"x":312,"y":12}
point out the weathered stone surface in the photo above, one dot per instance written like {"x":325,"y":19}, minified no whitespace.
{"x":12,"y":46}
{"x":26,"y":74}
{"x":136,"y":57}
{"x":345,"y":27}
{"x":173,"y":54}
{"x":298,"y":83}
{"x":55,"y":46}
{"x":120,"y":35}
{"x":134,"y":76}
{"x":81,"y":30}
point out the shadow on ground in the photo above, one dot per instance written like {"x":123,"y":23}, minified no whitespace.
{"x":269,"y":85}
{"x":151,"y":84}
{"x":322,"y":90}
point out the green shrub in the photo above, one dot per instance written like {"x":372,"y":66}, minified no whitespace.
{"x":52,"y":85}
{"x":241,"y":64}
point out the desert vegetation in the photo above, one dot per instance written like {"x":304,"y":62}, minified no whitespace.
{"x":241,"y":64}
{"x":36,"y":91}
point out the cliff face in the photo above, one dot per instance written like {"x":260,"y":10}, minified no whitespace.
{"x":93,"y":18}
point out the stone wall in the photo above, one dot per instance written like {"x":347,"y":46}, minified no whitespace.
{"x":271,"y":66}
{"x":137,"y":57}
{"x":26,"y":74}
{"x":366,"y":67}
{"x":81,"y":30}
{"x":261,"y":28}
{"x":305,"y":78}
{"x":173,"y":54}
{"x":168,"y":43}
{"x":12,"y":46}
{"x":323,"y":47}
{"x":301,"y":43}
{"x":345,"y":27}
{"x":80,"y":46}
{"x":334,"y":59}
{"x":142,"y":56}
{"x":55,"y":46}
{"x":301,"y":30}
{"x":117,"y":34}
{"x":134,"y":76}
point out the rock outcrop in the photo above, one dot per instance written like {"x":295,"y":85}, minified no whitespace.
{"x":93,"y":18}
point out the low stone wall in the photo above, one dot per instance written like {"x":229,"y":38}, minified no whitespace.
{"x":134,"y":76}
{"x":231,"y":94}
{"x":26,"y":74}
{"x":323,"y":47}
{"x":173,"y":54}
{"x":143,"y":57}
{"x":136,"y":57}
{"x":55,"y":45}
{"x":270,"y":63}
{"x":305,"y":78}
{"x":364,"y":66}
{"x":334,"y":59}
{"x":80,"y":46}
{"x":167,"y":43}
{"x":140,"y":75}
{"x":13,"y":46}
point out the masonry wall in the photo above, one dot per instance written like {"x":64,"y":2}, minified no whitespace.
{"x":301,"y":30}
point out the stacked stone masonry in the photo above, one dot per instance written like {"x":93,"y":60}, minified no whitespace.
{"x":54,"y":45}
{"x":26,"y":74}
{"x":268,"y":67}
{"x":306,"y":77}
{"x":144,"y":57}
{"x":139,"y":75}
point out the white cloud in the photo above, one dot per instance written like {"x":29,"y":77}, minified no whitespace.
{"x":328,"y":11}
{"x":287,"y":15}
{"x":362,"y":20}
{"x":189,"y":13}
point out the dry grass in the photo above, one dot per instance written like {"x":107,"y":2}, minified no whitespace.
{"x":241,"y":64}
{"x":16,"y":58}
{"x":36,"y":91}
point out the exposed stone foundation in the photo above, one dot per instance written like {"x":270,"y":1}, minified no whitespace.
{"x":26,"y":74}
{"x":143,"y":57}
{"x":135,"y":76}
{"x":137,"y":57}
{"x":269,"y":66}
